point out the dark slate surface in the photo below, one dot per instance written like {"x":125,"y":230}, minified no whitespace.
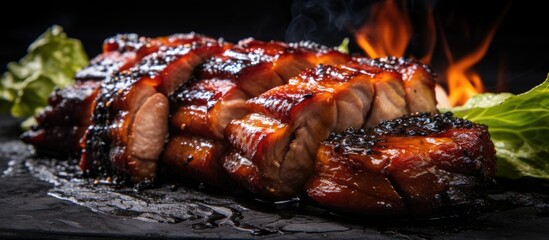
{"x":39,"y":199}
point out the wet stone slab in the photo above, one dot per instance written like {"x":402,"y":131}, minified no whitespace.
{"x":43,"y":197}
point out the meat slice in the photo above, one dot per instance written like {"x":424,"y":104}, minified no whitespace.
{"x":281,"y":137}
{"x":64,"y":121}
{"x":203,"y":108}
{"x":130,"y":118}
{"x":259,"y":145}
{"x":418,"y":82}
{"x":196,"y":158}
{"x":390,"y":96}
{"x":258,"y":66}
{"x":417,"y":164}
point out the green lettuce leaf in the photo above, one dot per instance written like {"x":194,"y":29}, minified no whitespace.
{"x":344,"y":46}
{"x":52,"y":61}
{"x":519,"y":128}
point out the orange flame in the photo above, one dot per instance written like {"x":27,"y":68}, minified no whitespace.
{"x":463,"y":82}
{"x":388,"y":33}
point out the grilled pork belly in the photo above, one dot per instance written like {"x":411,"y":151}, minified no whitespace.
{"x":417,"y":164}
{"x":62,"y":124}
{"x":417,"y":87}
{"x":196,"y":145}
{"x":203,"y":108}
{"x":258,"y":66}
{"x":284,"y":120}
{"x":196,"y":158}
{"x":64,"y":121}
{"x":389,"y":101}
{"x":130,"y":119}
{"x":277,"y":143}
{"x":281,"y":136}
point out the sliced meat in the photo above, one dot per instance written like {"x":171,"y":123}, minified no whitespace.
{"x":203,"y":108}
{"x":115,"y":140}
{"x":416,"y":164}
{"x":259,"y":144}
{"x":352,"y":92}
{"x":281,"y":137}
{"x":418,"y":79}
{"x":64,"y":121}
{"x":196,"y":158}
{"x":390,"y":96}
{"x":242,"y":169}
{"x":258,"y":66}
{"x":419,"y":83}
{"x":147,"y":136}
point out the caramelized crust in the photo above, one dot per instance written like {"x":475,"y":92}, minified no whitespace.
{"x":281,"y":137}
{"x":64,"y":121}
{"x":196,"y":158}
{"x":204,"y":107}
{"x":118,"y":114}
{"x":258,"y":66}
{"x":418,"y":80}
{"x":416,"y":164}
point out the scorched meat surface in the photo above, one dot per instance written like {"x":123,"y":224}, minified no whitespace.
{"x":202,"y":109}
{"x":419,"y":163}
{"x":129,"y":122}
{"x":64,"y":121}
{"x":257,"y":114}
{"x":279,"y":139}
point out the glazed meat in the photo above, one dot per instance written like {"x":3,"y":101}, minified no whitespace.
{"x":262,"y":115}
{"x":206,"y":106}
{"x":257,"y":66}
{"x":280,"y":137}
{"x":64,"y":121}
{"x":130,"y":118}
{"x":203,"y":108}
{"x":402,"y":86}
{"x":417,"y":164}
{"x":196,"y":158}
{"x":277,"y":142}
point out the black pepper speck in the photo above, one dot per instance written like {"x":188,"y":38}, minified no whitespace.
{"x":362,"y":141}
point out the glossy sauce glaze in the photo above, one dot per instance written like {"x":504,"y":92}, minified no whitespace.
{"x":420,"y":164}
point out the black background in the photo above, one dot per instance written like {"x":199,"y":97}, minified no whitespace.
{"x":520,"y":49}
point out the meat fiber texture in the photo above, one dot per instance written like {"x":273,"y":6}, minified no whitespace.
{"x":277,"y":142}
{"x":255,"y":114}
{"x":202,"y":109}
